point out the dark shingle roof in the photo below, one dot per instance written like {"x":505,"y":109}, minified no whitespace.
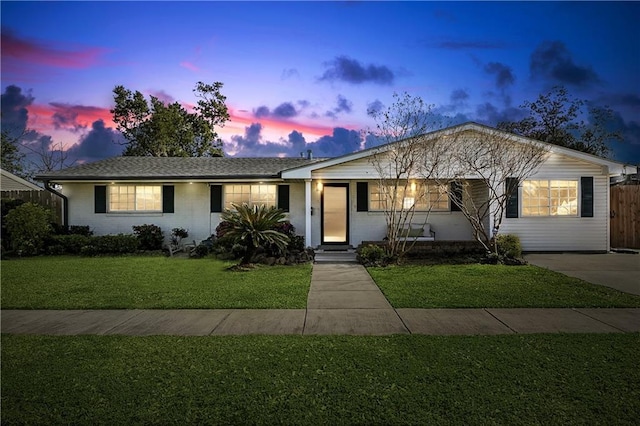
{"x":178,"y":168}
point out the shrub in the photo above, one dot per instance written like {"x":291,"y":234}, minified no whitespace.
{"x":28,"y":226}
{"x":177,"y":234}
{"x":8,"y":204}
{"x":69,"y":244}
{"x":83,"y":230}
{"x":226,"y":247}
{"x":204,"y":248}
{"x":254,"y":227}
{"x":223,"y":228}
{"x":296,"y":243}
{"x":149,"y":237}
{"x":372,"y":255}
{"x":110,"y":244}
{"x":509,"y":246}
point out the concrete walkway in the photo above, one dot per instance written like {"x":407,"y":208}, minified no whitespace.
{"x":343,"y":299}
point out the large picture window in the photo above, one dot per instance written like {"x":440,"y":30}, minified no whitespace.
{"x":424,"y":197}
{"x":135,"y":198}
{"x":550,"y":198}
{"x":249,"y":194}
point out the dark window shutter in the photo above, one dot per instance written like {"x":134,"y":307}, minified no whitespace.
{"x":283,"y":197}
{"x":362,"y":196}
{"x":586,"y":195}
{"x":216,"y":198}
{"x":100,"y":199}
{"x":167,"y":199}
{"x":456,"y":196}
{"x":512,"y":200}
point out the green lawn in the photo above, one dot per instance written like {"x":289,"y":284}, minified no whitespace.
{"x":534,"y":379}
{"x":147,"y":283}
{"x":479,"y":286}
{"x":141,"y":282}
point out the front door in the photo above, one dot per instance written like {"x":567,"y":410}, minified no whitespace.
{"x":335,"y":213}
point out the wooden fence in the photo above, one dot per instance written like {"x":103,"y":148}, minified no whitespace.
{"x":625,"y":216}
{"x":43,"y":198}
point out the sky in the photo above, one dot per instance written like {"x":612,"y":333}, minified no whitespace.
{"x":302,"y":75}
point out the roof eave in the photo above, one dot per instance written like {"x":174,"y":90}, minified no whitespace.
{"x":94,"y":178}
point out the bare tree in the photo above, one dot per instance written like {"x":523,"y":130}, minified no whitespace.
{"x":406,"y":156}
{"x":482,"y":171}
{"x":48,"y":158}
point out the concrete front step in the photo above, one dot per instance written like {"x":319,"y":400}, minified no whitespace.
{"x":335,"y":257}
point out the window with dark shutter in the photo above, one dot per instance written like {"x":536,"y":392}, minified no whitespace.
{"x":283,"y":197}
{"x":167,"y":199}
{"x":511,"y":185}
{"x":362,"y":196}
{"x":100,"y":199}
{"x":456,"y":196}
{"x":216,"y":198}
{"x":586,"y":196}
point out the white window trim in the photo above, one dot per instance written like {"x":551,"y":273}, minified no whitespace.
{"x":130,"y":212}
{"x":423,"y":210}
{"x":225,"y":204}
{"x":564,"y":216}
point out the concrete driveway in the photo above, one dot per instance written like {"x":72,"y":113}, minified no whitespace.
{"x":617,"y":270}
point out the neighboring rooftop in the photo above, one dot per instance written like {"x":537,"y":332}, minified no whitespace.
{"x":11,"y":182}
{"x":178,"y":168}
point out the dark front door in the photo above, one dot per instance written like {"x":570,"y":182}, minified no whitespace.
{"x":335,"y":213}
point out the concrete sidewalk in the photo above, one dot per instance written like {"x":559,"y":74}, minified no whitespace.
{"x":337,"y":321}
{"x":343,"y":300}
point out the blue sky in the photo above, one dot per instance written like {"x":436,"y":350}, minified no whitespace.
{"x":301,"y":75}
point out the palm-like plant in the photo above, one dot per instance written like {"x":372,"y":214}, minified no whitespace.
{"x":254,"y":227}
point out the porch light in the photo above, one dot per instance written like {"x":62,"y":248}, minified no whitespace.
{"x":319,"y":187}
{"x":413,"y":187}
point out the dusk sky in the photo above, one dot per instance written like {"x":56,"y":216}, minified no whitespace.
{"x":301,"y":75}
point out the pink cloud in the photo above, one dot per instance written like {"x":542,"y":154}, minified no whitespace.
{"x":190,"y":66}
{"x":56,"y":115}
{"x":162,"y":96}
{"x":281,"y":125}
{"x":41,"y":53}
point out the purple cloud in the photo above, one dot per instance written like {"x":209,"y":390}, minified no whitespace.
{"x":348,"y":70}
{"x":552,"y":60}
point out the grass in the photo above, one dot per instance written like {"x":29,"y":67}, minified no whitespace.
{"x":147,"y":283}
{"x":66,"y":282}
{"x":496,"y":286}
{"x":534,"y":379}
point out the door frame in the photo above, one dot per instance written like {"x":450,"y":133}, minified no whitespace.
{"x":343,"y":185}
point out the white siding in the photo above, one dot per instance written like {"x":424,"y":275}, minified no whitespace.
{"x":192,"y":211}
{"x":566,"y":233}
{"x":356,"y":169}
{"x":536,"y":233}
{"x":191,"y":203}
{"x":371,"y":225}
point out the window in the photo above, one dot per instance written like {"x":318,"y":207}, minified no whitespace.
{"x":250,"y":194}
{"x":424,"y":196}
{"x":550,"y":198}
{"x":134,"y":198}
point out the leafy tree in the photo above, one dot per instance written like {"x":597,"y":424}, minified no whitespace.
{"x":254,"y":226}
{"x":12,"y":158}
{"x":157,"y":129}
{"x":557,"y":118}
